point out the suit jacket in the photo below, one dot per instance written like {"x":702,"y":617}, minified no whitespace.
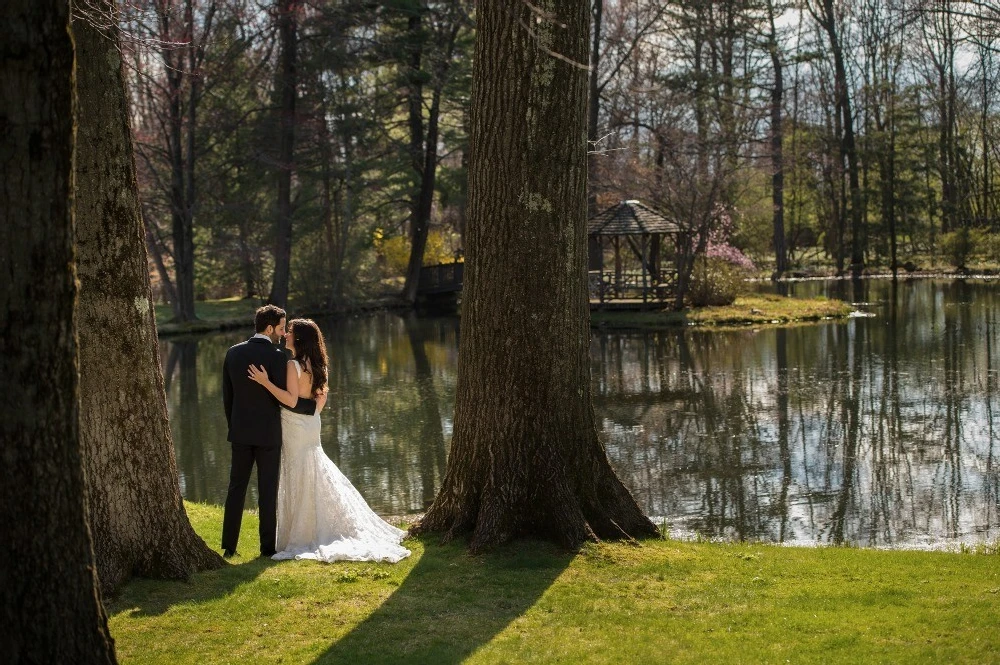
{"x":253,"y":414}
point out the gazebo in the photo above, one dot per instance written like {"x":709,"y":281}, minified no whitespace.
{"x":639,"y":275}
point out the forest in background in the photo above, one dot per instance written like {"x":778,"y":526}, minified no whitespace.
{"x":317,"y":150}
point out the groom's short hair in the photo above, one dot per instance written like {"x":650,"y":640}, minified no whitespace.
{"x":268,"y":315}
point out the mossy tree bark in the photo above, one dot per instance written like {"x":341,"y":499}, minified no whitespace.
{"x":50,"y":609}
{"x":136,"y":510}
{"x":525,"y":456}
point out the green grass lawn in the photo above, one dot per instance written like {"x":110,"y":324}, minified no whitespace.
{"x":663,"y":601}
{"x":762,"y":309}
{"x":213,"y":315}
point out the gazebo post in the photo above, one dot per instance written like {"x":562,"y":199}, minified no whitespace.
{"x":600,"y":284}
{"x":618,"y":266}
{"x":643,"y":264}
{"x":654,"y":259}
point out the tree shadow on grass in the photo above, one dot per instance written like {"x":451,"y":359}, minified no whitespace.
{"x":451,"y":604}
{"x":147,"y":597}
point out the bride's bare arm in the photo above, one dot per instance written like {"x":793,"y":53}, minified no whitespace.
{"x":285,"y":397}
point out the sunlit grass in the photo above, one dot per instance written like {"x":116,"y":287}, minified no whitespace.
{"x":214,"y":310}
{"x":665,"y":601}
{"x":757,"y":310}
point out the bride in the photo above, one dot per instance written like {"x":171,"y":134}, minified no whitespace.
{"x":320,"y":514}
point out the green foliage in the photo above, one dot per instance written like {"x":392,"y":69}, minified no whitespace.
{"x":715,"y":282}
{"x":991,"y":247}
{"x":963,"y":246}
{"x":394,"y":252}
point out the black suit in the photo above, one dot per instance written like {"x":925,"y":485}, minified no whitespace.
{"x":254,"y":418}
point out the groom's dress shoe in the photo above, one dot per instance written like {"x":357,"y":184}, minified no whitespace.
{"x":229,"y":554}
{"x":267,"y":554}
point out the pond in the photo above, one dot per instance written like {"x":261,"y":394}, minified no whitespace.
{"x":875,"y":431}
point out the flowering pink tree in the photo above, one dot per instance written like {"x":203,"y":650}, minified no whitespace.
{"x":718,"y":244}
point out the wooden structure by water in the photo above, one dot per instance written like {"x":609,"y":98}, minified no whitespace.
{"x":634,"y":241}
{"x":440,"y":286}
{"x":630,"y":249}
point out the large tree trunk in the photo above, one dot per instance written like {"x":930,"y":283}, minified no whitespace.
{"x":525,"y":456}
{"x":50,"y":609}
{"x":287,"y":85}
{"x":139,"y":522}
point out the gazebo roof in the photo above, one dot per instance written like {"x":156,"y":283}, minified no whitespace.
{"x":630,"y":218}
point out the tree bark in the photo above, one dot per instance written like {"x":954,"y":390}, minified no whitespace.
{"x":594,"y":103}
{"x":777,"y":156}
{"x":848,"y":146}
{"x":139,"y":522}
{"x":287,"y":85}
{"x":50,"y":609}
{"x":182,"y":222}
{"x":424,"y":149}
{"x":525,"y":457}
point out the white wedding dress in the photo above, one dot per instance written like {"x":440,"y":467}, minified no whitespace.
{"x":320,"y":514}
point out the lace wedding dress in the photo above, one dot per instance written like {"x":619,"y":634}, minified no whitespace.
{"x":320,"y":514}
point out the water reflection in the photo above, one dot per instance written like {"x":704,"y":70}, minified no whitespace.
{"x":875,"y":431}
{"x":387,"y":423}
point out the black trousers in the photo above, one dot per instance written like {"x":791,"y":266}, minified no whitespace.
{"x":268,"y":462}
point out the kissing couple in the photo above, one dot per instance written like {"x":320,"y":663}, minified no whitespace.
{"x":308,"y":508}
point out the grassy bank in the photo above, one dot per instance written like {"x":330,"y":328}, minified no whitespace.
{"x":665,"y":601}
{"x":763,"y":309}
{"x":751,"y":310}
{"x":222,"y":314}
{"x":231,"y":313}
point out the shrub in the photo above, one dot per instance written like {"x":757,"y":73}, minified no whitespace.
{"x":394,"y":252}
{"x":962,"y":246}
{"x":991,"y":247}
{"x":716,"y":281}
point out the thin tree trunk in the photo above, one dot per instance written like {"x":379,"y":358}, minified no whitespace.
{"x":51,"y":608}
{"x":425,"y":201}
{"x":428,"y":155}
{"x":182,"y":224}
{"x":138,"y":518}
{"x":153,"y":247}
{"x":593,"y":103}
{"x":189,"y":157}
{"x":525,"y":456}
{"x":777,"y":157}
{"x":848,"y":147}
{"x":286,"y":85}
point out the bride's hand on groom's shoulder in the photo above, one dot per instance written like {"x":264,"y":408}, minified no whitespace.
{"x":257,"y":374}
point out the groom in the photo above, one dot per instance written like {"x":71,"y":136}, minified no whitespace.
{"x":254,"y":421}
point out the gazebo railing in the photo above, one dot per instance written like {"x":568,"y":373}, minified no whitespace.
{"x":630,"y":285}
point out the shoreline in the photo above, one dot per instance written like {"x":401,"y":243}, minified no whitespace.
{"x":602,"y":320}
{"x":207,"y":325}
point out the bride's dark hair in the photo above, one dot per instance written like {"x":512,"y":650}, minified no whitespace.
{"x":310,"y":346}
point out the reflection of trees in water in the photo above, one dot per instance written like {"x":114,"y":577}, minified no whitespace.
{"x":389,"y":417}
{"x":431,"y":434}
{"x":193,"y":382}
{"x":872,"y":431}
{"x":386,"y":425}
{"x":869,"y":431}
